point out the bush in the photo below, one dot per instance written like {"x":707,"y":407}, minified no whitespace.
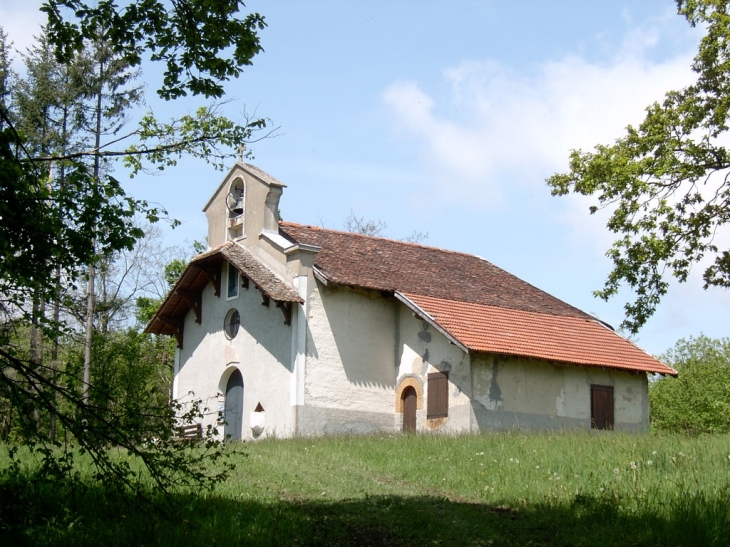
{"x":698,"y":400}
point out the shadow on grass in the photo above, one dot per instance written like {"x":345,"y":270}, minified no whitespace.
{"x":48,"y":515}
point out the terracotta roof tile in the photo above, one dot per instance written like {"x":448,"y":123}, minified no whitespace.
{"x":389,"y":265}
{"x":262,"y":276}
{"x":577,"y":340}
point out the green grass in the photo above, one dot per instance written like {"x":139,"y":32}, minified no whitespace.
{"x":500,"y":489}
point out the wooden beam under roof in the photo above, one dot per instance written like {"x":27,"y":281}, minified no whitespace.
{"x":177,"y":325}
{"x":194,"y":300}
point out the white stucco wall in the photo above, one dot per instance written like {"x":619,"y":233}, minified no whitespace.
{"x":261,"y":351}
{"x":350,"y":362}
{"x":532,"y":394}
{"x":361,"y":349}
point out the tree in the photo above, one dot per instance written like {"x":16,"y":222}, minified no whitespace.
{"x":376,"y":228}
{"x":667,"y":181}
{"x":52,"y":228}
{"x":171,"y":266}
{"x":698,"y":400}
{"x":6,"y":73}
{"x":360,"y":225}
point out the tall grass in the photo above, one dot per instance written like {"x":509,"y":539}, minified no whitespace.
{"x":506,"y":489}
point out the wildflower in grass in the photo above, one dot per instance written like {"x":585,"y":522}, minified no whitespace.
{"x":649,"y":462}
{"x":633,"y":465}
{"x":655,"y":453}
{"x":537,"y":467}
{"x":616,"y":471}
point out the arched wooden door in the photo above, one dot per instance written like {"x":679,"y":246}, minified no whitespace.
{"x":410,"y":404}
{"x":234,"y":406}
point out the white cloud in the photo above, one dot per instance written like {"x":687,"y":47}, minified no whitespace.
{"x":502,"y":132}
{"x":519,"y":127}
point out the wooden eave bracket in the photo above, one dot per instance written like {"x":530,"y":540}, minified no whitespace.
{"x":194,"y":300}
{"x":265,"y":297}
{"x":177,"y":325}
{"x":285,"y":308}
{"x":244,"y":281}
{"x":214,"y":275}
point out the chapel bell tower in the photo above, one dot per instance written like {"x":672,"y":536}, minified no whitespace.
{"x":245,"y":205}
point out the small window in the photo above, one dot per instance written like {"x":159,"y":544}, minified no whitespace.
{"x":233,"y":321}
{"x":232,"y":281}
{"x":601,"y":407}
{"x":438,"y":395}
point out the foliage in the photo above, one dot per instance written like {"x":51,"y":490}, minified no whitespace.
{"x":6,"y":73}
{"x":147,"y":306}
{"x":202,"y":42}
{"x":698,"y":400}
{"x":576,"y":489}
{"x":666,"y":181}
{"x":61,"y":210}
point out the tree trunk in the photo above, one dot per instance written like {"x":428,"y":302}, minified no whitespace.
{"x":90,"y":301}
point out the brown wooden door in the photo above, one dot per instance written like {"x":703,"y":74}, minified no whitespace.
{"x":410,"y":404}
{"x":601,"y":407}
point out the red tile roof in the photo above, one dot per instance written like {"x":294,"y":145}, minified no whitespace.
{"x":389,"y":265}
{"x":480,"y":305}
{"x":576,"y":340}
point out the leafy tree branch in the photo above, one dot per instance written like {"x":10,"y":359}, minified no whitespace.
{"x":666,"y":181}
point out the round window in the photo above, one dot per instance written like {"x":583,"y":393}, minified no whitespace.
{"x":233,"y":321}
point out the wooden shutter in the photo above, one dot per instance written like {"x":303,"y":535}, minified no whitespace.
{"x":438,"y":395}
{"x":601,"y":407}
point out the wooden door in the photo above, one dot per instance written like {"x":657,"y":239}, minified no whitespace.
{"x":410,"y":404}
{"x":234,"y":406}
{"x":601,"y":407}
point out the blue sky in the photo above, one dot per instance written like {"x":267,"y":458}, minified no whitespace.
{"x":447,"y":117}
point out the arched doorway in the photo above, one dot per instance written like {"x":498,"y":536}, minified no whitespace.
{"x":410,"y":405}
{"x":234,"y":406}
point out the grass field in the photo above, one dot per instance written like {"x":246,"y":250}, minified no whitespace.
{"x":499,"y":489}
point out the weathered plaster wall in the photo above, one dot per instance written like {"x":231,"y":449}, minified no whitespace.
{"x":261,"y":351}
{"x":423,"y":349}
{"x":350,"y":362}
{"x":531,"y":394}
